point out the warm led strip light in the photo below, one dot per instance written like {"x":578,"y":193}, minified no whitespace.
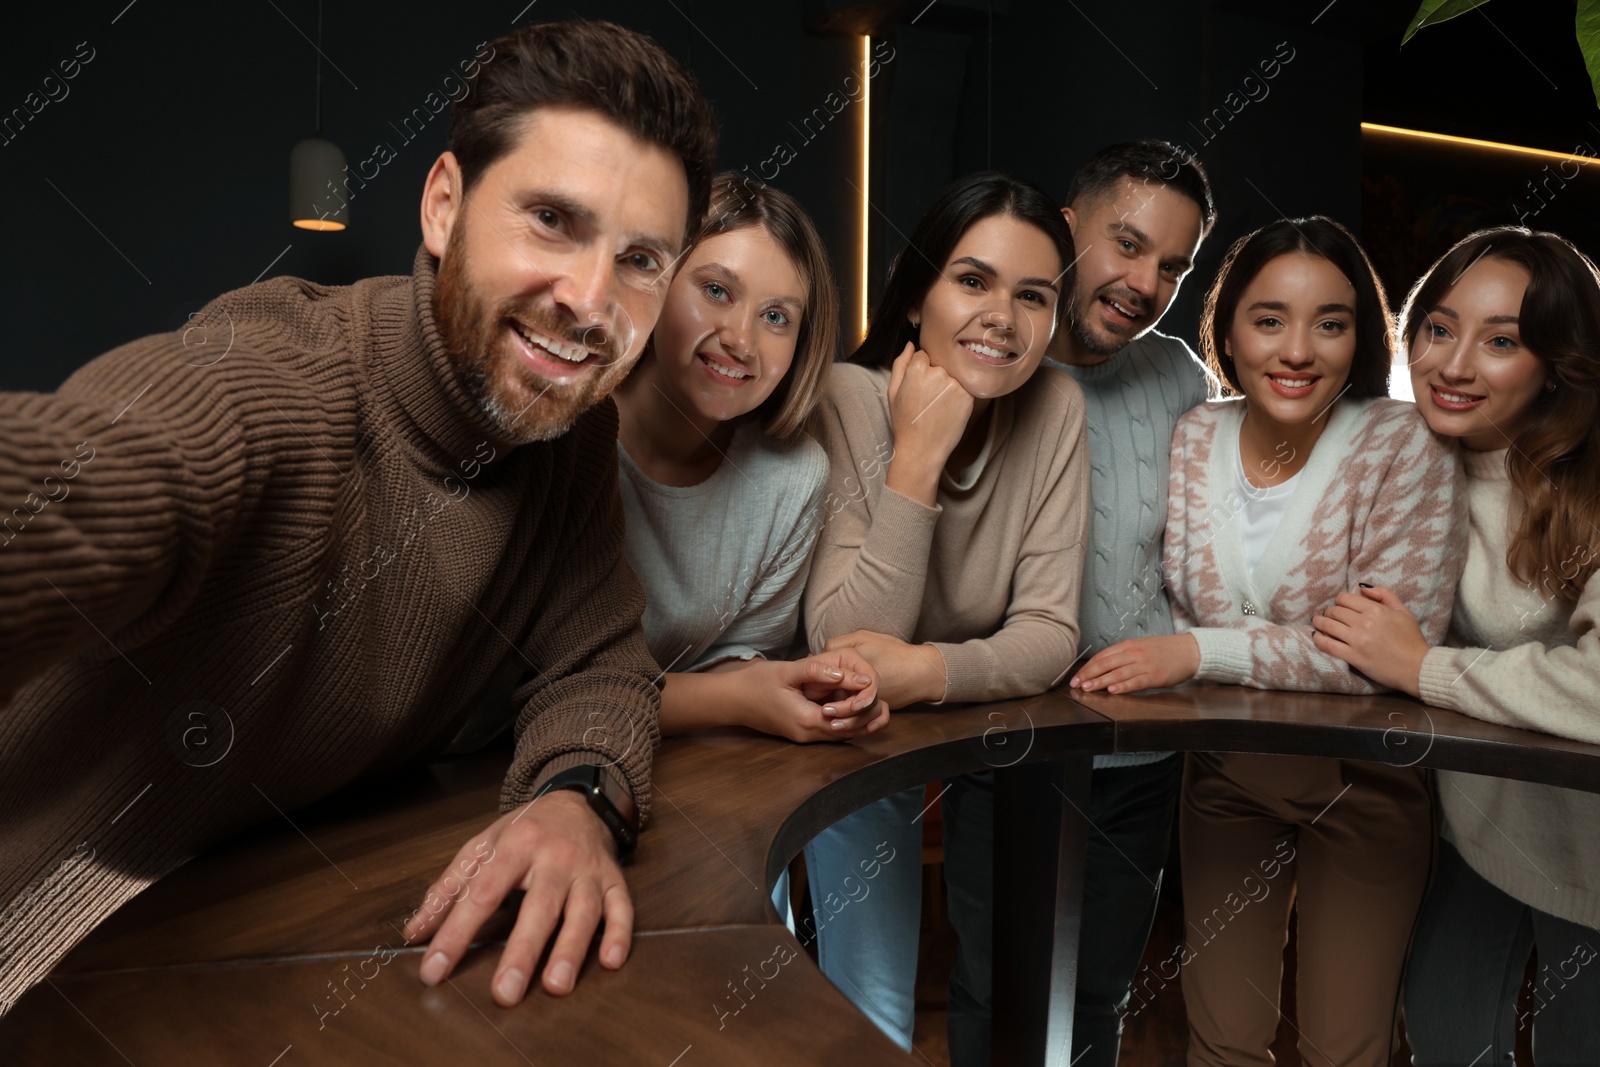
{"x":1475,"y":143}
{"x":866,"y":167}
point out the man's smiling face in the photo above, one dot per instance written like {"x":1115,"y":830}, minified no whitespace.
{"x":1135,"y":244}
{"x":553,"y":269}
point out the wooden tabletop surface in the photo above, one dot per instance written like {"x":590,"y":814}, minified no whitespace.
{"x":235,"y":957}
{"x":1386,"y":728}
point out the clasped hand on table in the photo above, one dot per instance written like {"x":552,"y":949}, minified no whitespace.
{"x":1368,"y":628}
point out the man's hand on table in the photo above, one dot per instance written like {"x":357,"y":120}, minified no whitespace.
{"x":558,"y":852}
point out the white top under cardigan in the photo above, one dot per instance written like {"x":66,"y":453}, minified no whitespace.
{"x":1263,"y":510}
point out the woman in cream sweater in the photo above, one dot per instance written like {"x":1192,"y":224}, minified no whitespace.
{"x":1504,"y":336}
{"x":1314,"y":482}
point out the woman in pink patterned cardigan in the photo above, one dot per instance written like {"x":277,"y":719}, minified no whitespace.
{"x":1313,"y":483}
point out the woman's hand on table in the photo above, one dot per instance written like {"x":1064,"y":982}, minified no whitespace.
{"x":1142,"y":663}
{"x":832,"y":696}
{"x":558,"y":852}
{"x":907,"y":673}
{"x":1374,"y":632}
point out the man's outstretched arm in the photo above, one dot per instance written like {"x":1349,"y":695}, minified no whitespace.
{"x":109,"y":489}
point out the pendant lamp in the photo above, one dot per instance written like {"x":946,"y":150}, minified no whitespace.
{"x":316,"y":171}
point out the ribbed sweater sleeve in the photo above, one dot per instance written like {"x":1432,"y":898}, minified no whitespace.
{"x":1528,"y":661}
{"x":127,"y":482}
{"x":588,"y":701}
{"x":871,"y":564}
{"x":1531,"y":686}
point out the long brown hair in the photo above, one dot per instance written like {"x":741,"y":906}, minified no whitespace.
{"x":737,"y":202}
{"x":1554,"y":460}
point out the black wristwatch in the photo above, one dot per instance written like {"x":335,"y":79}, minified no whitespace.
{"x":608,"y":796}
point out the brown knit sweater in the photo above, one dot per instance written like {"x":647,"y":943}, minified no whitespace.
{"x":231,"y":583}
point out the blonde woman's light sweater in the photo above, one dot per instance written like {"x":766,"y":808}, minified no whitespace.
{"x":723,"y":562}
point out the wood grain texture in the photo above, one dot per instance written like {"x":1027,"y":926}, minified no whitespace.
{"x":223,"y":961}
{"x":670,"y":1004}
{"x":1390,"y":728}
{"x":350,"y":869}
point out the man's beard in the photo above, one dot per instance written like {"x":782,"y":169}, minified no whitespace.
{"x":1108,"y":344}
{"x":523,"y":405}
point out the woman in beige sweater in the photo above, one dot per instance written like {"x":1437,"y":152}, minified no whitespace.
{"x":1505,"y":358}
{"x":950,"y":558}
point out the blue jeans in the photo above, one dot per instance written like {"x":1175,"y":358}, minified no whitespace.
{"x":866,"y":889}
{"x":780,"y":900}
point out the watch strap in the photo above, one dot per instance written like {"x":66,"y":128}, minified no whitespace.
{"x":607,"y":795}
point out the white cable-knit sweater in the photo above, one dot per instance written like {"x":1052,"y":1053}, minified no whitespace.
{"x":1520,"y":659}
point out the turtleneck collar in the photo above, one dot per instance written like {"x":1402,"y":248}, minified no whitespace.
{"x":1486,"y":466}
{"x":434,"y":411}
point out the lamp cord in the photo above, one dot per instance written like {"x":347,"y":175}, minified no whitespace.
{"x":319,"y":68}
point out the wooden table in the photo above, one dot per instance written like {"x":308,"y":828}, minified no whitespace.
{"x":274,"y":951}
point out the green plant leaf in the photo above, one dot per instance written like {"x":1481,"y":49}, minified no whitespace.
{"x":1433,"y":12}
{"x":1589,"y":41}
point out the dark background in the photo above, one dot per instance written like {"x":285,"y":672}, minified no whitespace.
{"x":160,"y":180}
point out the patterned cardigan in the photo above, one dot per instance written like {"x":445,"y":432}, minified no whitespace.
{"x":1380,"y":500}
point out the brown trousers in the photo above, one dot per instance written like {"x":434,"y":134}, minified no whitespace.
{"x":1352,"y":842}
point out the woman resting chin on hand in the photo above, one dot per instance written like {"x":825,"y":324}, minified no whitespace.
{"x":950,"y":560}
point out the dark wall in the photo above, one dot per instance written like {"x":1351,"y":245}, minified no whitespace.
{"x":1424,"y":196}
{"x":1035,"y":88}
{"x":1511,"y":74}
{"x":160,"y":178}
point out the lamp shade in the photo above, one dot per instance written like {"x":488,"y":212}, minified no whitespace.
{"x":316,"y":186}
